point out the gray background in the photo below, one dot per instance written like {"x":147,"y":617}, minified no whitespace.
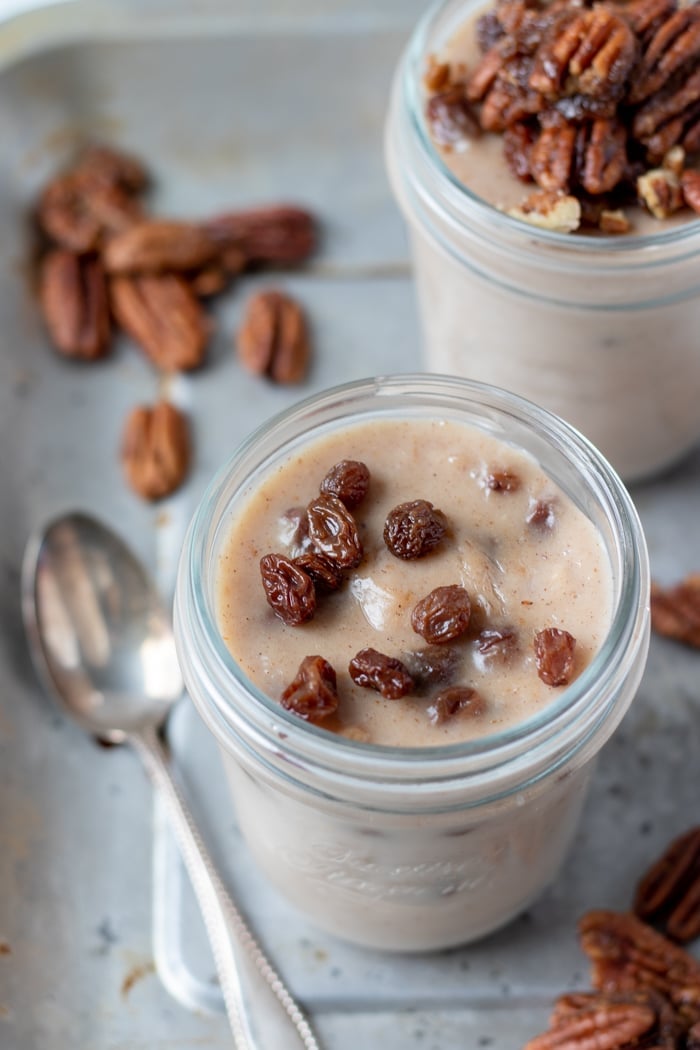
{"x":230,"y":105}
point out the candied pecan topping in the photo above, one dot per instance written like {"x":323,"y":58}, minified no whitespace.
{"x":155,"y":450}
{"x":613,"y":222}
{"x":163,"y":316}
{"x":442,"y":615}
{"x":386,"y":674}
{"x":552,"y":156}
{"x":333,"y":531}
{"x":437,"y":74}
{"x":414,"y":529}
{"x":554,"y":655}
{"x":74,"y":302}
{"x":593,"y":156}
{"x":583,"y":95}
{"x":325,"y":573}
{"x":690,"y":185}
{"x":660,"y":191}
{"x":289,"y":590}
{"x":456,"y":700}
{"x":483,"y":78}
{"x":669,"y":893}
{"x":450,"y":117}
{"x":670,"y":117}
{"x":645,"y":16}
{"x":601,"y":155}
{"x":313,"y":692}
{"x":503,"y":480}
{"x":518,"y":141}
{"x":675,"y":611}
{"x":674,"y":160}
{"x":587,"y":52}
{"x":348,"y":480}
{"x":273,"y":339}
{"x":550,"y":210}
{"x":674,"y":46}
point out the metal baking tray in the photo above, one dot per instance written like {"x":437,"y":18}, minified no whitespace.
{"x":233,"y":106}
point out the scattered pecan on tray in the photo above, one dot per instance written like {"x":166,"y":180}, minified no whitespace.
{"x":105,"y":261}
{"x":590,"y":100}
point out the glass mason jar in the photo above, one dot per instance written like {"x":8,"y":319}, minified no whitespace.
{"x":412,"y":848}
{"x":600,"y":330}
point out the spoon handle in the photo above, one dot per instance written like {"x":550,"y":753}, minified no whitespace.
{"x":265,"y":991}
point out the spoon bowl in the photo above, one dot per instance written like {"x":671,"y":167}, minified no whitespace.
{"x":99,"y":636}
{"x":101,"y":642}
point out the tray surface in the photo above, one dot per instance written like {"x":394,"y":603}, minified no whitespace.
{"x":82,"y":911}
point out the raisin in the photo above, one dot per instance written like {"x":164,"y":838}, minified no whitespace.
{"x":348,"y":480}
{"x":374,"y":670}
{"x":554,"y":653}
{"x":541,"y":515}
{"x":503,"y":481}
{"x":313,"y":693}
{"x":325,"y":574}
{"x":442,"y":615}
{"x":450,"y":117}
{"x":333,"y":531}
{"x":413,"y":529}
{"x":436,"y":665}
{"x":497,"y":643}
{"x":289,"y":590}
{"x":459,"y":700}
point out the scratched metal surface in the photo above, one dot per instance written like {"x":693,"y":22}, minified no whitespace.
{"x":230,"y":108}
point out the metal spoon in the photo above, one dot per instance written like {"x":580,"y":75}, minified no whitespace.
{"x":101,"y":642}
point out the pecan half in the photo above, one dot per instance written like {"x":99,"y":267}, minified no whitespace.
{"x":585,"y":52}
{"x":73,"y":297}
{"x":159,"y":245}
{"x":629,"y":955}
{"x":97,"y":195}
{"x":669,"y":894}
{"x":155,"y":450}
{"x":279,"y":234}
{"x":601,"y":1024}
{"x":273,"y":339}
{"x":161,"y":313}
{"x":669,"y":117}
{"x":673,"y":47}
{"x":675,"y":611}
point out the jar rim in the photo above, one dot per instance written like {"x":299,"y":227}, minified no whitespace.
{"x":452,"y":187}
{"x":575,"y":706}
